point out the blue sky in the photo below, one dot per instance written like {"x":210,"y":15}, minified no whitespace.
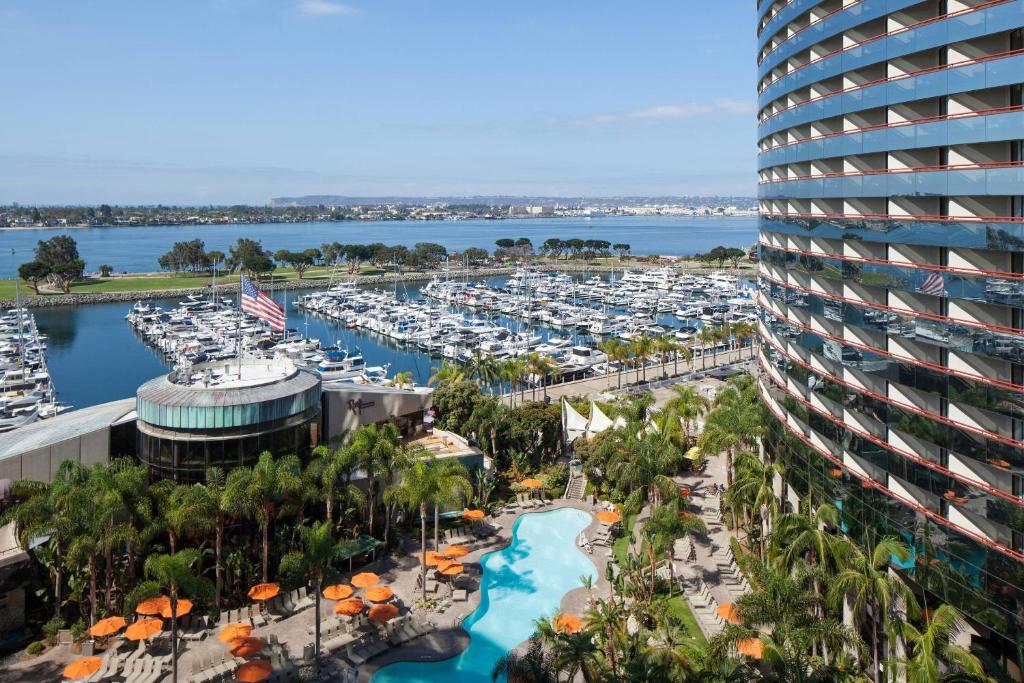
{"x":223,"y":101}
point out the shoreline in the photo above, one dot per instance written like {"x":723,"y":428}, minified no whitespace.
{"x":495,"y":219}
{"x":86,"y":298}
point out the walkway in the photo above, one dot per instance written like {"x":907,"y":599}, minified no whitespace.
{"x":593,"y":387}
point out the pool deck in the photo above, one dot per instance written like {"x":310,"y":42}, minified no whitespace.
{"x":450,"y":639}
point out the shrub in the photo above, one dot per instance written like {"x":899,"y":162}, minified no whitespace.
{"x":51,"y":627}
{"x":78,"y":629}
{"x":105,"y":270}
{"x":34,"y":648}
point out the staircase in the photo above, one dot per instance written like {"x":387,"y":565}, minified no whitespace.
{"x":576,"y":487}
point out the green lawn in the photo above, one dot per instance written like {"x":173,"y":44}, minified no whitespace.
{"x":680,"y":609}
{"x":151,"y":283}
{"x":620,"y":546}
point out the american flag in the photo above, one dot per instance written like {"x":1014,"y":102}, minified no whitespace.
{"x":256,"y":302}
{"x":934,"y":284}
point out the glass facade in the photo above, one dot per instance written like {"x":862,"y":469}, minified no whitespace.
{"x":891,"y":160}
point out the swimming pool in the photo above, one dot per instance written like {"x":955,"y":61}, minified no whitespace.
{"x":521,"y":582}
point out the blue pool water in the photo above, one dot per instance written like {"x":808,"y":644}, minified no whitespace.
{"x":520,"y":583}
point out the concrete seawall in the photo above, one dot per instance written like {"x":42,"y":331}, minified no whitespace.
{"x":231,"y":284}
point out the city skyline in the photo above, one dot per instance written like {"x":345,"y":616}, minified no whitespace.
{"x":235,"y":102}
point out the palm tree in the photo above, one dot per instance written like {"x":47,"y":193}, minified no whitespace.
{"x":451,"y":487}
{"x":754,"y":486}
{"x":689,"y":404}
{"x":489,"y":370}
{"x":706,"y":336}
{"x":642,"y":346}
{"x":782,"y":605}
{"x":313,"y":562}
{"x":189,"y":509}
{"x":446,"y":373}
{"x":866,"y":579}
{"x":401,"y":380}
{"x":616,"y":352}
{"x":220,"y":506}
{"x":176,"y":573}
{"x":333,"y":471}
{"x":571,"y":653}
{"x":257,"y":491}
{"x":933,"y":644}
{"x":663,"y":345}
{"x":375,"y":448}
{"x":745,"y":332}
{"x":536,"y":665}
{"x":415,"y":492}
{"x":680,"y":348}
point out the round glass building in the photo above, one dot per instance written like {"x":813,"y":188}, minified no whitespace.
{"x":220,"y":415}
{"x":891,"y":164}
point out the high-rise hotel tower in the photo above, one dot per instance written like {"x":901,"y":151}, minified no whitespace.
{"x":891,"y":168}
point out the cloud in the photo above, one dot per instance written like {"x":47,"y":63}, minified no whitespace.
{"x":324,"y":7}
{"x":674,"y":112}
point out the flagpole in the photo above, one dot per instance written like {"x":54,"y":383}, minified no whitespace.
{"x":239,"y":329}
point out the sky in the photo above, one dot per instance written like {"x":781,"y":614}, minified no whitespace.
{"x":237,"y":101}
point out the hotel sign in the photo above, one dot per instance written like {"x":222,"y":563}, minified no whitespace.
{"x":357,"y":406}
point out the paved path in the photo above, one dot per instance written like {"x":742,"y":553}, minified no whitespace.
{"x":593,"y":387}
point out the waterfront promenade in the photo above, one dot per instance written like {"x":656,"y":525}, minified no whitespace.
{"x":595,"y":387}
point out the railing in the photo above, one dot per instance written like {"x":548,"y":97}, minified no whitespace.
{"x":897,"y":264}
{"x":800,"y":30}
{"x":895,"y":217}
{"x":888,"y":34}
{"x":894,"y":171}
{"x":1002,"y":384}
{"x":910,"y":122}
{"x":934,"y":317}
{"x":869,"y":483}
{"x":892,"y":79}
{"x":935,"y":417}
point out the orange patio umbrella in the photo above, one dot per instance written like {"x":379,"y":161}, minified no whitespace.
{"x":379,"y":594}
{"x":450,"y":568}
{"x":264,"y":591}
{"x":350,"y":607}
{"x":80,"y":668}
{"x":568,"y":623}
{"x":431,"y":558}
{"x":184,"y":607}
{"x":684,"y":491}
{"x":364,"y":580}
{"x":338,"y":591}
{"x":727,"y":610}
{"x":532,"y":483}
{"x":153,"y":606}
{"x":144,"y":630}
{"x":456,"y":551}
{"x":385,"y":612}
{"x":473,"y":515}
{"x":107,"y":627}
{"x":254,"y":671}
{"x":246,"y":647}
{"x":608,"y":517}
{"x":751,"y":647}
{"x":233,"y":632}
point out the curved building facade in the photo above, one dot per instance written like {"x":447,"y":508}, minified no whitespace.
{"x":220,"y":415}
{"x":891,"y":164}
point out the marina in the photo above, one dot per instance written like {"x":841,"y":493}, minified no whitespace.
{"x":26,"y":392}
{"x":552,"y":321}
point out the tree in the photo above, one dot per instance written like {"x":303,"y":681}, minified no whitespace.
{"x":105,"y":270}
{"x":617,"y":352}
{"x":188,"y":510}
{"x":249,"y":255}
{"x":642,"y":347}
{"x":536,"y":665}
{"x":190,"y":256}
{"x":623,"y":250}
{"x":505,"y":243}
{"x":176,"y":573}
{"x":454,"y":402}
{"x":474,"y":255}
{"x":59,"y":256}
{"x":552,"y":247}
{"x":300,"y":261}
{"x":873,"y":589}
{"x":931,"y":645}
{"x":33,"y":273}
{"x":689,"y":404}
{"x":375,"y":448}
{"x":415,"y":493}
{"x":257,"y":492}
{"x":428,"y":253}
{"x":446,"y":373}
{"x":312,"y":562}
